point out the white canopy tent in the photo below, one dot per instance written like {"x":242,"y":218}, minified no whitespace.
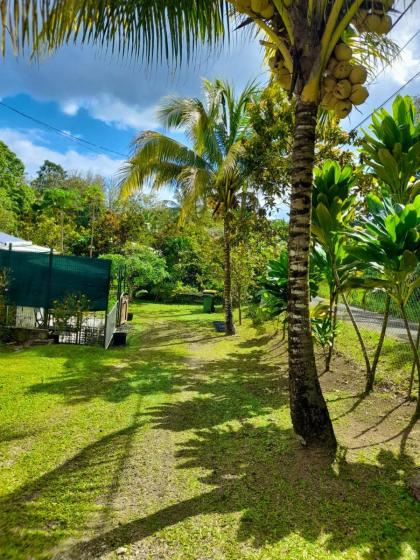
{"x":10,"y":242}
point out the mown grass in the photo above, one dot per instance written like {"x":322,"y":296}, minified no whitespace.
{"x":180,"y":446}
{"x":396,"y":360}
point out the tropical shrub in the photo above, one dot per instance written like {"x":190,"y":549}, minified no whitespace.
{"x":144,"y":268}
{"x":392,"y":151}
{"x":387,"y":255}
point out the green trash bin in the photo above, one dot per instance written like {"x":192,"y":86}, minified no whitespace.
{"x":208,"y":301}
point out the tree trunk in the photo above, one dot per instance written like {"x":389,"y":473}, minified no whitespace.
{"x":333,"y":319}
{"x":62,"y":231}
{"x":360,"y":338}
{"x":239,"y":306}
{"x":309,"y":411}
{"x":371,"y":379}
{"x":413,"y":369}
{"x":229,"y":324}
{"x":92,"y":231}
{"x":415,"y":353}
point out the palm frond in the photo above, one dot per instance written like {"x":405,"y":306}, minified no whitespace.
{"x":140,"y":28}
{"x":157,"y":160}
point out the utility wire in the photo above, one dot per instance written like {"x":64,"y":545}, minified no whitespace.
{"x":403,"y":13}
{"x":90,"y":145}
{"x":395,"y":57}
{"x":386,"y":101}
{"x":389,"y":63}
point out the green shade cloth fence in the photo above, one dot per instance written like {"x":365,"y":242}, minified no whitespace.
{"x":40,"y":279}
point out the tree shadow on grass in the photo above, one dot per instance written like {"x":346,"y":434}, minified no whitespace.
{"x":282,"y":490}
{"x":252,"y":467}
{"x":149,"y":365}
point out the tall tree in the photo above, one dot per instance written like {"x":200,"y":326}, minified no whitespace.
{"x":50,"y":176}
{"x":303,"y":35}
{"x":16,"y":196}
{"x":208,"y":173}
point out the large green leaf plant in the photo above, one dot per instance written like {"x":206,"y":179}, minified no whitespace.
{"x":387,"y":253}
{"x":334,"y":207}
{"x":392,"y":151}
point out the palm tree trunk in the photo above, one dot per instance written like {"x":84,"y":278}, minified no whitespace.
{"x":229,"y":324}
{"x":415,"y":353}
{"x":309,"y":411}
{"x":371,"y":379}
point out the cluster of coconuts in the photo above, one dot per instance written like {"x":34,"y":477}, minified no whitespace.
{"x":342,"y":86}
{"x":261,"y":8}
{"x":373,"y":17}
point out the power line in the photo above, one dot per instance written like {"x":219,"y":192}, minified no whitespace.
{"x":97,"y":148}
{"x":403,"y":13}
{"x":395,"y":57}
{"x":386,"y":101}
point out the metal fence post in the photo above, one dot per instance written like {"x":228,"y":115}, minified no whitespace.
{"x":107,"y":302}
{"x":48,"y":294}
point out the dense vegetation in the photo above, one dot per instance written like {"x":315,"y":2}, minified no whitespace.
{"x":321,"y":53}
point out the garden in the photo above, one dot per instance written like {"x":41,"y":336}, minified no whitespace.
{"x":267,"y":402}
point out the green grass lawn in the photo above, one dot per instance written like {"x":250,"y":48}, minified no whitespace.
{"x":180,"y":447}
{"x":395,"y":363}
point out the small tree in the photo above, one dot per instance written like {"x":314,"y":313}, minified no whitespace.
{"x":333,"y":211}
{"x":388,"y":248}
{"x":145,"y":267}
{"x":68,"y":313}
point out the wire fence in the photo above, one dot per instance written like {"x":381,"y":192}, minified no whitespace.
{"x":368,"y":311}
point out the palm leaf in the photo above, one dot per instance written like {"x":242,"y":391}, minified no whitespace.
{"x":140,"y":28}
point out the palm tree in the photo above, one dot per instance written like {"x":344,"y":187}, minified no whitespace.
{"x":208,"y":173}
{"x":304,"y":35}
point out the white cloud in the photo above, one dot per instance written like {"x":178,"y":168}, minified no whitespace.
{"x":28,"y":148}
{"x":113,"y":111}
{"x":408,"y":63}
{"x":120,"y":92}
{"x":70,"y":108}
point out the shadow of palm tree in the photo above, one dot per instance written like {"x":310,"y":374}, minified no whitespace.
{"x":279,"y":490}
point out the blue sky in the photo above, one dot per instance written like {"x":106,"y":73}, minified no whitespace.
{"x":106,"y":100}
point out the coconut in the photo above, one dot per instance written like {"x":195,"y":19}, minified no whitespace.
{"x":359,"y":19}
{"x":372,"y":23}
{"x":332,"y":63}
{"x":343,"y":89}
{"x":329,"y":83}
{"x":342,"y":109}
{"x":359,"y":94}
{"x":273,"y":62}
{"x":258,"y":6}
{"x":329,"y":101}
{"x":243,"y":5}
{"x":342,"y":70}
{"x":385,"y":26}
{"x":268,"y":13}
{"x":342,"y":52}
{"x":358,"y":74}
